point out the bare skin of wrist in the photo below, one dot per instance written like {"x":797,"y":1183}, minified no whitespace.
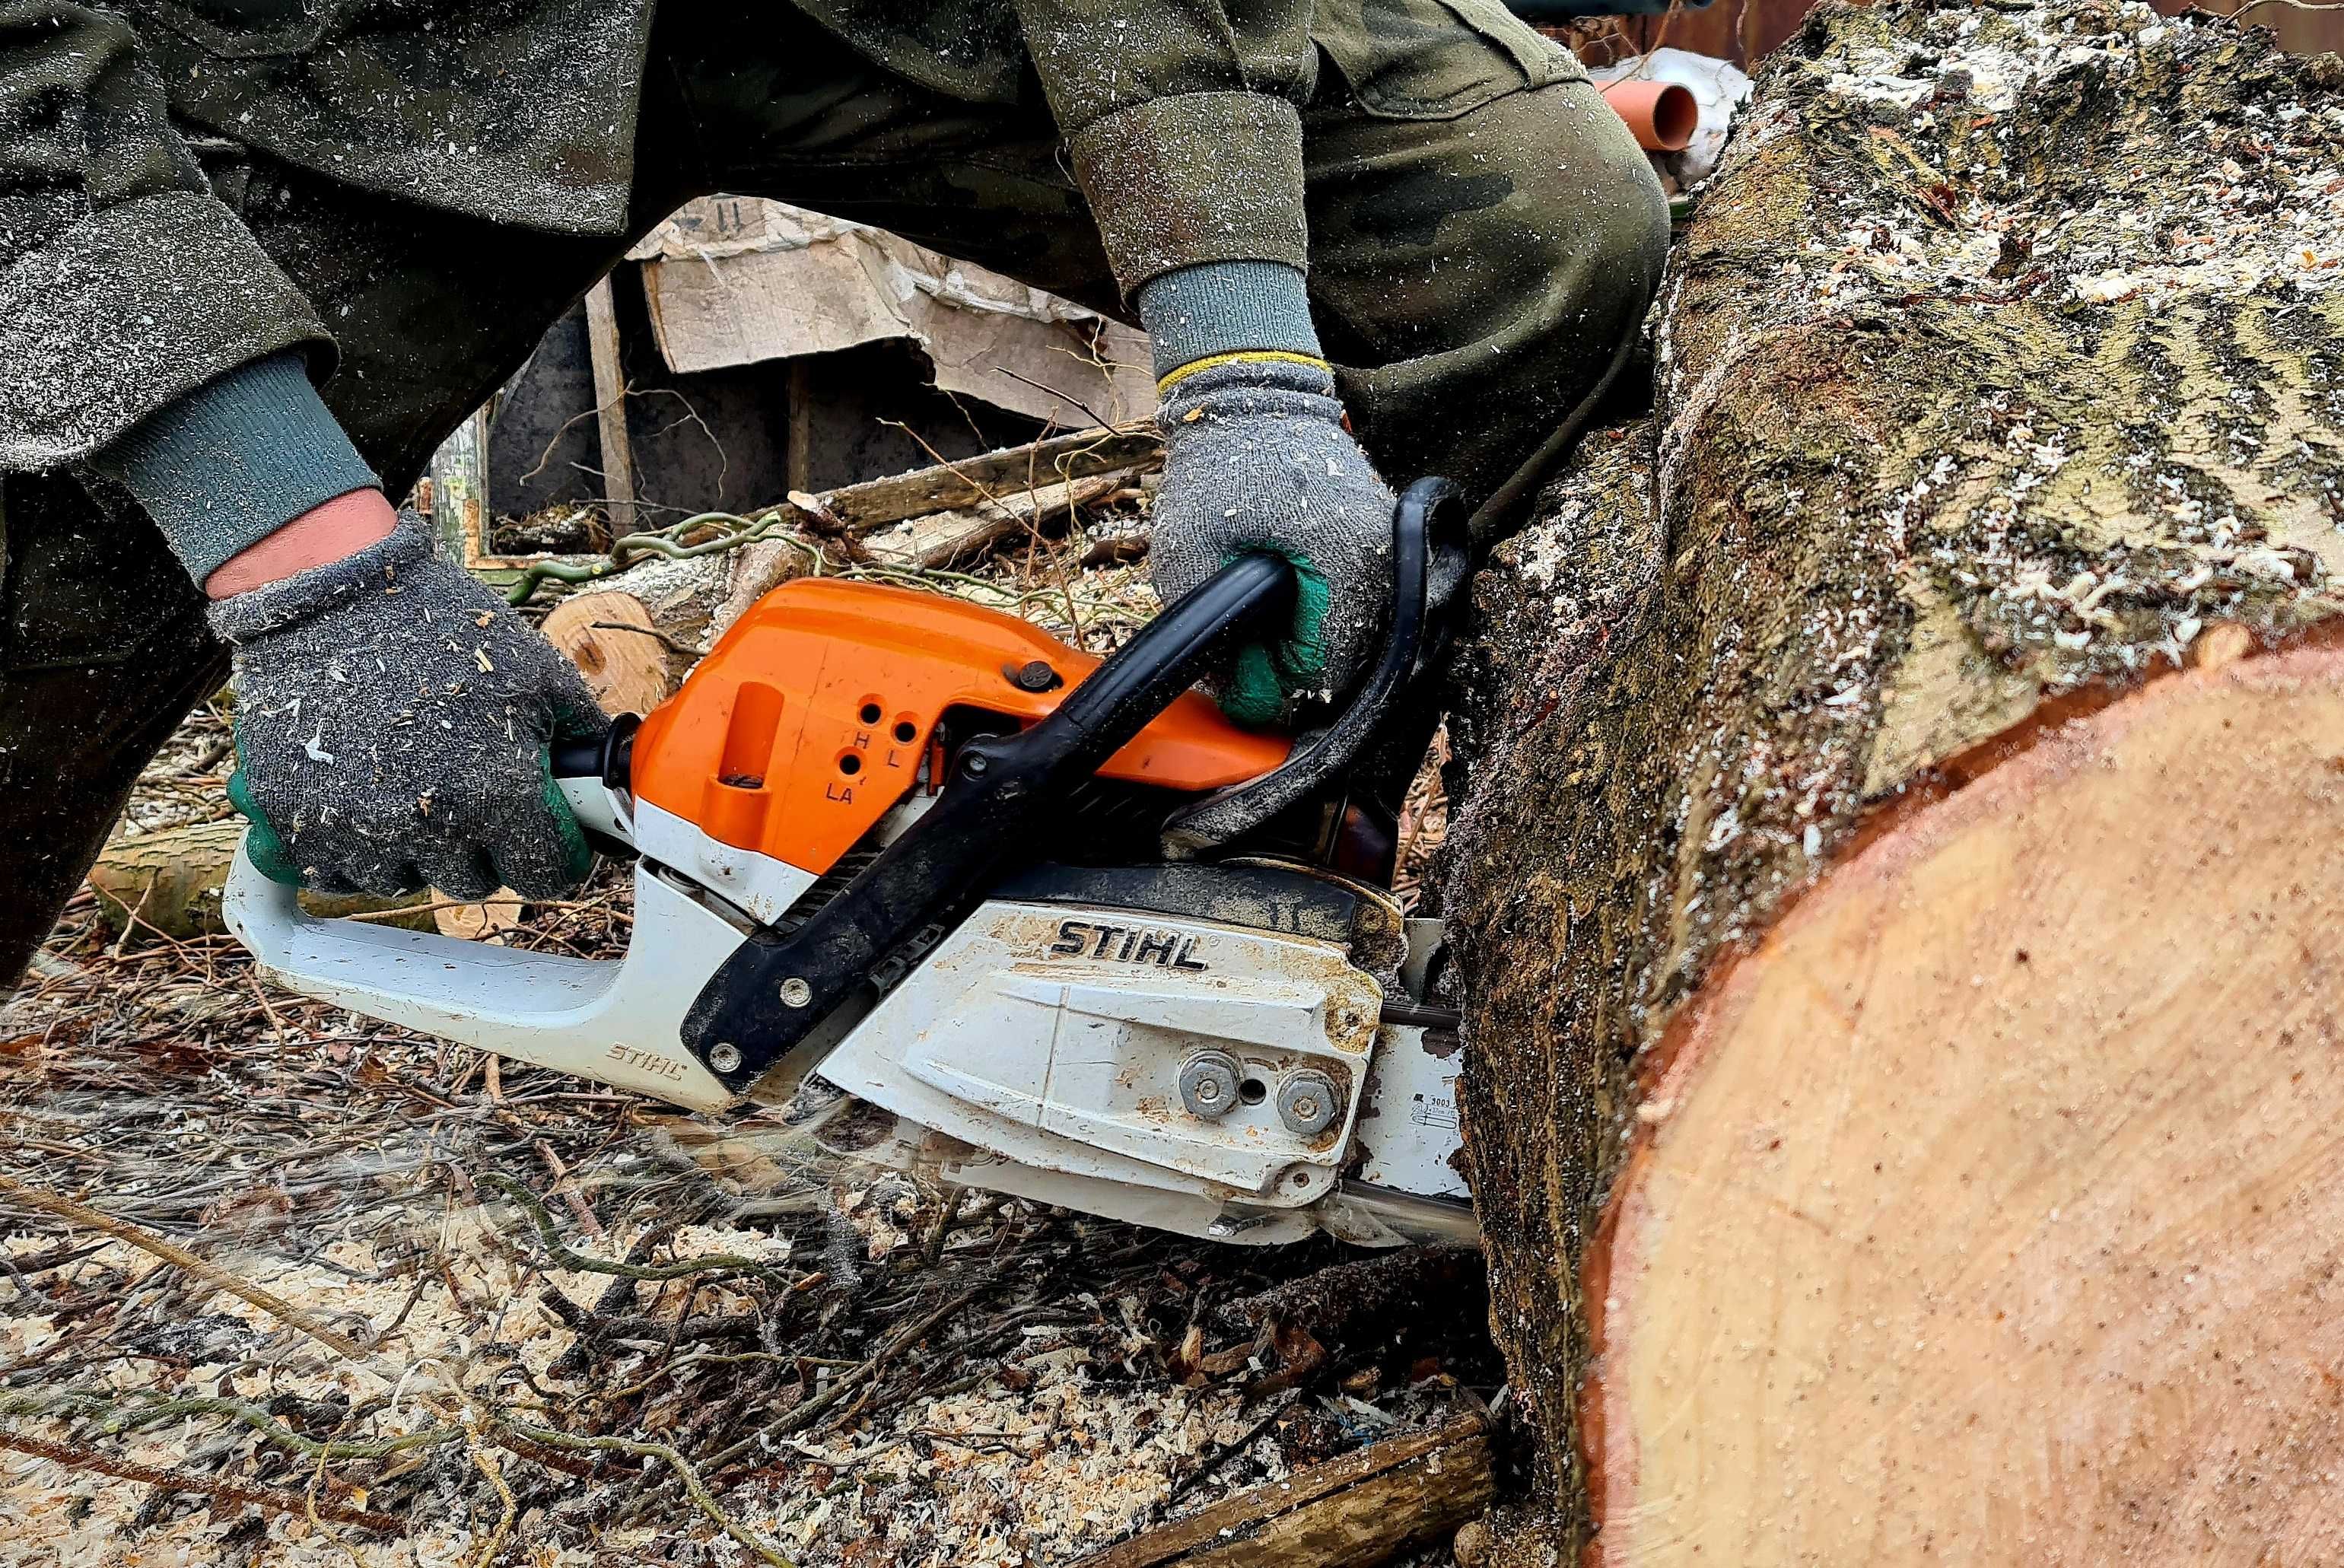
{"x":327,"y":533}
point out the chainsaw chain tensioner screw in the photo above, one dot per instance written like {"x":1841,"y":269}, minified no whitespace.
{"x":1208,"y":1084}
{"x":1308,"y":1103}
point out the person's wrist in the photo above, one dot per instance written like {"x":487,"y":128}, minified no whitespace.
{"x":327,"y":533}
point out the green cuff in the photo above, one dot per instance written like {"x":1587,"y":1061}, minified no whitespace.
{"x":1195,"y":177}
{"x":268,"y":851}
{"x":578,"y":854}
{"x":1260,"y":676}
{"x":236,"y":460}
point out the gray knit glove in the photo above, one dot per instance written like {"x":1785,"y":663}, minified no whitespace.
{"x":1255,"y":457}
{"x":392,"y":719}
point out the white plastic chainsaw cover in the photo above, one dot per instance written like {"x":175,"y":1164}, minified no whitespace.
{"x":1053,"y":1034}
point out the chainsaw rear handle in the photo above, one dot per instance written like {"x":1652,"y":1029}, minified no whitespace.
{"x":764,"y":1005}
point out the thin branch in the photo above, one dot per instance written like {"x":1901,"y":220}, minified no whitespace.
{"x":211,"y":1274}
{"x":565,"y":1256}
{"x":79,"y":1457}
{"x":675,"y":1461}
{"x":1062,"y":397}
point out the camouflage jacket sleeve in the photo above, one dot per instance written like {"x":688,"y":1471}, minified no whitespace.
{"x":124,"y":283}
{"x":1184,"y":121}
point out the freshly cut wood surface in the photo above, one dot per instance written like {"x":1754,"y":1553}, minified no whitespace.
{"x":616,"y":645}
{"x":490,"y":920}
{"x":1993,"y":1206}
{"x":1355,"y":1511}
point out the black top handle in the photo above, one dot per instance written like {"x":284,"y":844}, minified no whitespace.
{"x":766,"y":1001}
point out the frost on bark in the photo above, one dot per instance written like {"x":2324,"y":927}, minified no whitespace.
{"x":1896,"y":893}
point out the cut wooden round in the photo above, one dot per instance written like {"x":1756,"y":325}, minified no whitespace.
{"x":1992,"y":1210}
{"x":611,"y":638}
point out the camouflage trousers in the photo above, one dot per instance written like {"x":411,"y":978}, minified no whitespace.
{"x":1482,"y":252}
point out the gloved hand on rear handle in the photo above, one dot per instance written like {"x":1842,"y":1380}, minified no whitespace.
{"x":1255,"y":457}
{"x":393,"y":723}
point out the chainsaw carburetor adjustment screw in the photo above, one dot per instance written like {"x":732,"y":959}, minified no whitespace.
{"x":725,"y":1055}
{"x":1308,"y":1102}
{"x":1208,"y":1084}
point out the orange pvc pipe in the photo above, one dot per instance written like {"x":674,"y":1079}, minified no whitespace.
{"x":1663,"y":115}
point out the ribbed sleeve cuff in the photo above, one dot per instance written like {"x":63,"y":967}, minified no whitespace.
{"x":1224,"y":307}
{"x":1195,"y":177}
{"x":236,"y":460}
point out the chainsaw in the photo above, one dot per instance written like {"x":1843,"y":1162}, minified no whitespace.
{"x":989,"y":907}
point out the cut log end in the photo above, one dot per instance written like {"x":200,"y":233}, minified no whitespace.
{"x":1992,"y":1204}
{"x":616,"y":644}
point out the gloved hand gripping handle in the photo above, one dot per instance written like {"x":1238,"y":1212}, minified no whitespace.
{"x":766,"y":1000}
{"x":1427,"y":544}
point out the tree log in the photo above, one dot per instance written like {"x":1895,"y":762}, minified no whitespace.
{"x":1897,"y":891}
{"x":169,"y":881}
{"x":960,"y":536}
{"x":994,"y":476}
{"x":1357,"y":1510}
{"x":612,"y":638}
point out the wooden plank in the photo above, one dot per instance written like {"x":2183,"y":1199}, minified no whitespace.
{"x":1355,"y":1511}
{"x":459,"y":489}
{"x":611,"y":408}
{"x":798,"y":457}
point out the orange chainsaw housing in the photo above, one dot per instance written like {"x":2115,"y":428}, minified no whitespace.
{"x":809,"y":718}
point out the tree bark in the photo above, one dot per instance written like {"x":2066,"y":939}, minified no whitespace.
{"x":1896,"y":895}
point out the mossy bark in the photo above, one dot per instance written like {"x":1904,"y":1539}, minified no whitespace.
{"x":2002,"y":362}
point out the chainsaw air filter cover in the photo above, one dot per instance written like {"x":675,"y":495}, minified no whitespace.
{"x":810,"y":717}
